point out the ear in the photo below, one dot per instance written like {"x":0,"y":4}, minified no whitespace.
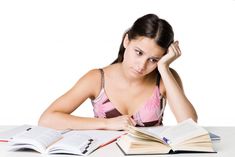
{"x":126,"y":41}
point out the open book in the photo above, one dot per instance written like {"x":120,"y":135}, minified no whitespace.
{"x":50,"y":141}
{"x":6,"y":135}
{"x":185,"y":137}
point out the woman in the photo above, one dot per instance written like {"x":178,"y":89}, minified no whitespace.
{"x":132,"y":90}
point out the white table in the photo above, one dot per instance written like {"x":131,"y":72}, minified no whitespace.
{"x":225,"y":147}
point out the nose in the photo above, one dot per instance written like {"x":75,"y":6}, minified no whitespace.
{"x":142,"y":65}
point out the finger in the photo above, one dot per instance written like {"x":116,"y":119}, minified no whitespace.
{"x":132,"y":122}
{"x":170,"y":49}
{"x":176,"y":50}
{"x":173,"y":50}
{"x":127,"y":120}
{"x":176,"y":42}
{"x":126,"y":128}
{"x":177,"y":47}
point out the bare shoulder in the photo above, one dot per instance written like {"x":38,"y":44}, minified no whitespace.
{"x":177,"y":78}
{"x":92,"y":74}
{"x":91,"y":81}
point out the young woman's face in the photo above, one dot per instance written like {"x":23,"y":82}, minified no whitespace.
{"x":141,"y":55}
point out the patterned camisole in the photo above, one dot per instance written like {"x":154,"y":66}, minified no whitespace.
{"x":149,"y":114}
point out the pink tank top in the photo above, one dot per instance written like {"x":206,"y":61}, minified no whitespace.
{"x":149,"y":114}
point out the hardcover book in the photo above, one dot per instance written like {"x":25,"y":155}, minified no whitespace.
{"x":185,"y":137}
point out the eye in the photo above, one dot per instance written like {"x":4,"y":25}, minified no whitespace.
{"x":152,"y":60}
{"x":138,"y":52}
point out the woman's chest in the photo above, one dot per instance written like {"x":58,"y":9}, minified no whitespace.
{"x":128,"y":100}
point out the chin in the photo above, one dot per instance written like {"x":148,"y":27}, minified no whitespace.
{"x":136,"y":73}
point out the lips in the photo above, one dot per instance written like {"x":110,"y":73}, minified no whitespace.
{"x":137,"y":72}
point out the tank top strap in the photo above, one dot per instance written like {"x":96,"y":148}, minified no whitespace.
{"x":102,"y":77}
{"x":162,"y":98}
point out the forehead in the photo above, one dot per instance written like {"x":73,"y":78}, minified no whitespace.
{"x":147,"y":45}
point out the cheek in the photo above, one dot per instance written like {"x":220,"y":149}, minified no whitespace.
{"x":129,"y":58}
{"x":152,"y":67}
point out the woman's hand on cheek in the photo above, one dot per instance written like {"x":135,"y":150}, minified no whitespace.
{"x":172,"y":54}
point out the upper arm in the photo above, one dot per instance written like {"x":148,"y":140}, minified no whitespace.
{"x":86,"y":87}
{"x":177,"y":78}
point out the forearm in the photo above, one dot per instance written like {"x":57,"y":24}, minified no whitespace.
{"x":178,"y":102}
{"x":62,"y":121}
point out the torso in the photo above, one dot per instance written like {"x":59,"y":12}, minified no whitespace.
{"x":122,"y":94}
{"x":125,"y":98}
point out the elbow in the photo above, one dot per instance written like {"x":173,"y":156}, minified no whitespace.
{"x":195,"y":117}
{"x":44,"y":120}
{"x":183,"y":117}
{"x":51,"y":119}
{"x":191,"y":113}
{"x":41,"y":121}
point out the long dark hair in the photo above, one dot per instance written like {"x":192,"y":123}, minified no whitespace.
{"x":150,"y":26}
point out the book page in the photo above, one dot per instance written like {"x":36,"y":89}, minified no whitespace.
{"x":145,"y":134}
{"x":83,"y":142}
{"x":35,"y":137}
{"x":6,"y":136}
{"x":103,"y":136}
{"x":157,"y":130}
{"x":183,"y":131}
{"x":131,"y":145}
{"x":74,"y":143}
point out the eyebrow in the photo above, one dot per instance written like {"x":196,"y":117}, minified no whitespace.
{"x":154,"y":57}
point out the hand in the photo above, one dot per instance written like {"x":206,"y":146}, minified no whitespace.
{"x":173,"y":53}
{"x":119,"y":123}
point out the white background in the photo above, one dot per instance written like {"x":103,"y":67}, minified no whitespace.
{"x":46,"y":46}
